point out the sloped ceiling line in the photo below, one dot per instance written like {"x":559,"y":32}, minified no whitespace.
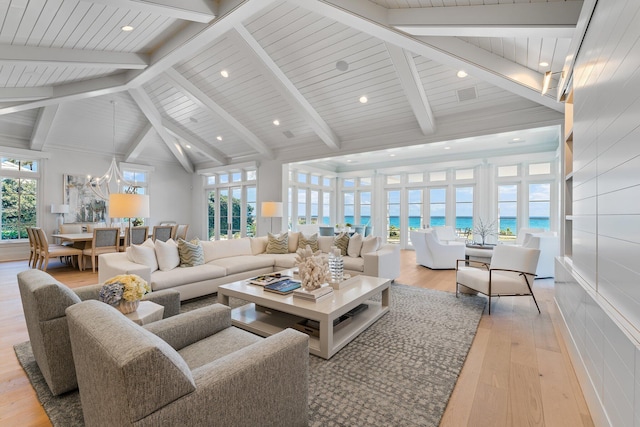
{"x":287,"y":89}
{"x":413,"y":88}
{"x":209,"y":152}
{"x":202,"y":100}
{"x":492,"y":70}
{"x":188,"y":10}
{"x":138,"y":144}
{"x":35,"y":56}
{"x":147,"y":107}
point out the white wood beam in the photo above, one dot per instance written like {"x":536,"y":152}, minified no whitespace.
{"x":139,"y":143}
{"x":188,"y":10}
{"x":210,"y":152}
{"x":494,"y":69}
{"x":552,"y":20}
{"x":413,"y":87}
{"x":203,"y":101}
{"x":287,"y":89}
{"x":74,"y":91}
{"x":17,"y":94}
{"x":46,"y":117}
{"x":59,"y":57}
{"x":153,"y":115}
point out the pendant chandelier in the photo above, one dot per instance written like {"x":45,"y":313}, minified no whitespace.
{"x":101,"y":186}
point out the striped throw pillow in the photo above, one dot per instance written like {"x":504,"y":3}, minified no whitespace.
{"x":191,"y":253}
{"x":341,"y":241}
{"x":312,"y":241}
{"x":278,"y":244}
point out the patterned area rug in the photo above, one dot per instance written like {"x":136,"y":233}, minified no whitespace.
{"x":400,"y":372}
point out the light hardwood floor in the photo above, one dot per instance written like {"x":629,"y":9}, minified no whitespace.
{"x":518,"y":372}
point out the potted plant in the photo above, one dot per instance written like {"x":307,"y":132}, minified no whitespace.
{"x":485,"y":230}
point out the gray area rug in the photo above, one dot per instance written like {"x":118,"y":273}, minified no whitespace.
{"x":399,"y":372}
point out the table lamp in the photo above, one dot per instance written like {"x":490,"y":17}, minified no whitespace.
{"x":271,"y":210}
{"x":127,"y":205}
{"x":60,"y":210}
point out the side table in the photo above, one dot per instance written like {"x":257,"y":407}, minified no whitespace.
{"x":479,"y":253}
{"x":146,"y":313}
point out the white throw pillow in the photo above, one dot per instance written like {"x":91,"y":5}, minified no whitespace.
{"x":370,"y":244}
{"x":167,"y":254}
{"x":355,"y":245}
{"x":143,"y":254}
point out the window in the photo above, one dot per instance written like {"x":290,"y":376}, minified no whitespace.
{"x":326,"y":207}
{"x":437,"y":206}
{"x":314,"y":206}
{"x":414,"y":198}
{"x":540,"y":169}
{"x":464,"y":208}
{"x":415,"y":177}
{"x":539,"y":205}
{"x":508,"y":209}
{"x":365,"y":182}
{"x":506,"y":171}
{"x":348,"y":206}
{"x":464,"y":174}
{"x":236,"y":177}
{"x":211,"y":180}
{"x":349,"y":182}
{"x":393,"y":179}
{"x":250,"y":212}
{"x":302,"y":178}
{"x":393,"y":216}
{"x":302,"y":206}
{"x":20,"y":179}
{"x":231,"y":208}
{"x":437,"y":176}
{"x":365,"y":207}
{"x":315,"y":180}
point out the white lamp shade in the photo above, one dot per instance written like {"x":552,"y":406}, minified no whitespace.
{"x":60,"y":209}
{"x":272,"y":209}
{"x":123,"y":205}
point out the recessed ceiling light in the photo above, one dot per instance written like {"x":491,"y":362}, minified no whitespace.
{"x":363,"y":99}
{"x":349,"y":160}
{"x":462,"y":74}
{"x":188,"y":146}
{"x":219,"y":138}
{"x":544,"y":64}
{"x":276,"y":122}
{"x":224,"y":73}
{"x":342,"y":66}
{"x":447,"y":148}
{"x":127,"y":28}
{"x":516,"y":139}
{"x":392,"y":155}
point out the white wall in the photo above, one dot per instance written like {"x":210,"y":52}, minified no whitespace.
{"x":599,"y":295}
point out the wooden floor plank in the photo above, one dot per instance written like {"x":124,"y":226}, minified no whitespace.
{"x":481,"y":395}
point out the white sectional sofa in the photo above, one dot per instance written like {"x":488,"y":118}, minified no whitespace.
{"x":226,"y":261}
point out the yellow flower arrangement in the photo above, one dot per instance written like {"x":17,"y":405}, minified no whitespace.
{"x":129,"y":287}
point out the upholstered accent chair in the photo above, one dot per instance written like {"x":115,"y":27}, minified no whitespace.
{"x":522,"y":234}
{"x":46,"y":251}
{"x":549,"y":245}
{"x":163,"y":232}
{"x":434,"y":254}
{"x":446,"y":234}
{"x":511,"y":273}
{"x":193,"y":369}
{"x":359,"y":229}
{"x":105,"y":240}
{"x":44,"y":301}
{"x":180,"y":232}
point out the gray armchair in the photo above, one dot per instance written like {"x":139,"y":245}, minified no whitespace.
{"x":44,"y":301}
{"x":193,"y":369}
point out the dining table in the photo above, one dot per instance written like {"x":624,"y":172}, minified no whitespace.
{"x":80,"y":240}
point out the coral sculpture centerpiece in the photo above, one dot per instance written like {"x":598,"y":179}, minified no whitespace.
{"x":313,"y":268}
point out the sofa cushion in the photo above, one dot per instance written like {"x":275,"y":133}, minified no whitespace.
{"x":191,"y":253}
{"x":353,"y":263}
{"x":341,"y":241}
{"x":167,"y":254}
{"x":242,"y":263}
{"x":144,"y":254}
{"x":325,"y":243}
{"x":216,"y":346}
{"x":216,"y":249}
{"x":294,"y":238}
{"x":280,"y":261}
{"x":355,"y":245}
{"x":311,"y":241}
{"x":370,"y":244}
{"x":258,"y":244}
{"x":182,"y":276}
{"x":278,"y":243}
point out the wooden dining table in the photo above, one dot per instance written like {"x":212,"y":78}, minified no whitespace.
{"x":80,"y":240}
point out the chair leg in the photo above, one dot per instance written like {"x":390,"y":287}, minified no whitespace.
{"x":93,"y":263}
{"x":46,"y":263}
{"x":489,"y":305}
{"x":533,"y":296}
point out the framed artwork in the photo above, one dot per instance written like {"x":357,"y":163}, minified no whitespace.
{"x":84,"y":204}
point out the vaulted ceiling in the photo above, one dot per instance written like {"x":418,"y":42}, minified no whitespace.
{"x":72,"y":79}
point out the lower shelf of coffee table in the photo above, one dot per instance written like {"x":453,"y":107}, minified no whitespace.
{"x":265,"y":322}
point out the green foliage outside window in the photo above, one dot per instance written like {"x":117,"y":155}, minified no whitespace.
{"x":19,"y":197}
{"x":223,"y":218}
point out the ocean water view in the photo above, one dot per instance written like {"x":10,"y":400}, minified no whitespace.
{"x":462,"y":222}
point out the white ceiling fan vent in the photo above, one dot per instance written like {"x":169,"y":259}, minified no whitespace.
{"x":467,"y":94}
{"x":288,"y":133}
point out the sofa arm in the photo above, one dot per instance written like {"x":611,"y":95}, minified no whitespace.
{"x":113,"y":264}
{"x":88,"y":292}
{"x":168,"y":298}
{"x":385,"y":262}
{"x":192,"y":326}
{"x":263,"y":384}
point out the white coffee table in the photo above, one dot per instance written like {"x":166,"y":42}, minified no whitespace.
{"x":269,"y":313}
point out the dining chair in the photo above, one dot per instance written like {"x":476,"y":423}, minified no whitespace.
{"x":33,"y":248}
{"x":359,"y":229}
{"x":162,"y":232}
{"x":105,"y":240}
{"x":181,"y":232}
{"x":326,"y":231}
{"x":138,"y":236}
{"x":71,"y":228}
{"x":46,"y":251}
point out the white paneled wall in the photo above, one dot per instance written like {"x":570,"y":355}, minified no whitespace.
{"x":599,"y":293}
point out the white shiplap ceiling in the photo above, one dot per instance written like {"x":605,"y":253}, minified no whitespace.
{"x":64,"y":63}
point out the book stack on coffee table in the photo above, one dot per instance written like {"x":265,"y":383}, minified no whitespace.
{"x":314,"y":295}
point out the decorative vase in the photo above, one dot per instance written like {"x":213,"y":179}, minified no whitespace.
{"x":127,"y":307}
